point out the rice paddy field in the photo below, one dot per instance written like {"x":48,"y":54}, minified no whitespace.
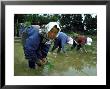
{"x":75,"y":63}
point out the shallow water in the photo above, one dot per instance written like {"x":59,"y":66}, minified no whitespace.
{"x":75,"y":63}
{"x":71,"y":71}
{"x":70,"y":67}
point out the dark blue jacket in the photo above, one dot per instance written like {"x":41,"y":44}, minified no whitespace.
{"x":61,"y":40}
{"x":33,"y":48}
{"x":26,"y":32}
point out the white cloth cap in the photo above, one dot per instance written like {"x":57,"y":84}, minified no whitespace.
{"x":89,"y":41}
{"x":50,"y":25}
{"x":70,"y":40}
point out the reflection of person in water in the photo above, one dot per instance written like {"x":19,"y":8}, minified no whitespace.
{"x":37,"y":44}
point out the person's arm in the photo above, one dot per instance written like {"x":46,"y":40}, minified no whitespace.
{"x":44,"y":50}
{"x":62,"y":45}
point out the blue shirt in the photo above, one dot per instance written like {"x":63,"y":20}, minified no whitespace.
{"x":62,"y":38}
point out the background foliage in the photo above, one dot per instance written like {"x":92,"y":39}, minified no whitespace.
{"x":79,"y":23}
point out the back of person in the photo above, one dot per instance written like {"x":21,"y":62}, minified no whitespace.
{"x":81,"y":39}
{"x":34,"y":49}
{"x":60,"y":42}
{"x":29,"y":31}
{"x":62,"y":37}
{"x":32,"y":38}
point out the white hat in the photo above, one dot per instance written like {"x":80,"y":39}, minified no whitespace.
{"x":50,"y":25}
{"x":70,"y":40}
{"x":89,"y":41}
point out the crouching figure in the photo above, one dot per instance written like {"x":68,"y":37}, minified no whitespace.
{"x":37,"y":45}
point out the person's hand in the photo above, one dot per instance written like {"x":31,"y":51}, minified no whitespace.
{"x":39,"y":63}
{"x":44,"y":61}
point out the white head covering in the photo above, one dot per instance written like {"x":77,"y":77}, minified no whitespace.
{"x":89,"y":41}
{"x":50,"y":25}
{"x":70,"y":40}
{"x":46,"y":29}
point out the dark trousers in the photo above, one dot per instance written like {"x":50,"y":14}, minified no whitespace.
{"x":59,"y":49}
{"x":31,"y":64}
{"x":57,"y":44}
{"x":76,"y":45}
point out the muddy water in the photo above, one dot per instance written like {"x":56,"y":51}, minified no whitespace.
{"x":74,"y":64}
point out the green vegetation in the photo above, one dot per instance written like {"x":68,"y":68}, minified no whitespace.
{"x":81,"y":23}
{"x":75,"y":64}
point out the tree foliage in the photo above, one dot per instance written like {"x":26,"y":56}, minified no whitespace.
{"x":83,"y":23}
{"x":72,"y":22}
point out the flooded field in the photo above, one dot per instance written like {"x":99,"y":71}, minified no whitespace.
{"x":75,"y":63}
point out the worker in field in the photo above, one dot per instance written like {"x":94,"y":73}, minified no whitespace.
{"x":38,"y":43}
{"x":21,"y":29}
{"x":79,"y":41}
{"x":60,"y":42}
